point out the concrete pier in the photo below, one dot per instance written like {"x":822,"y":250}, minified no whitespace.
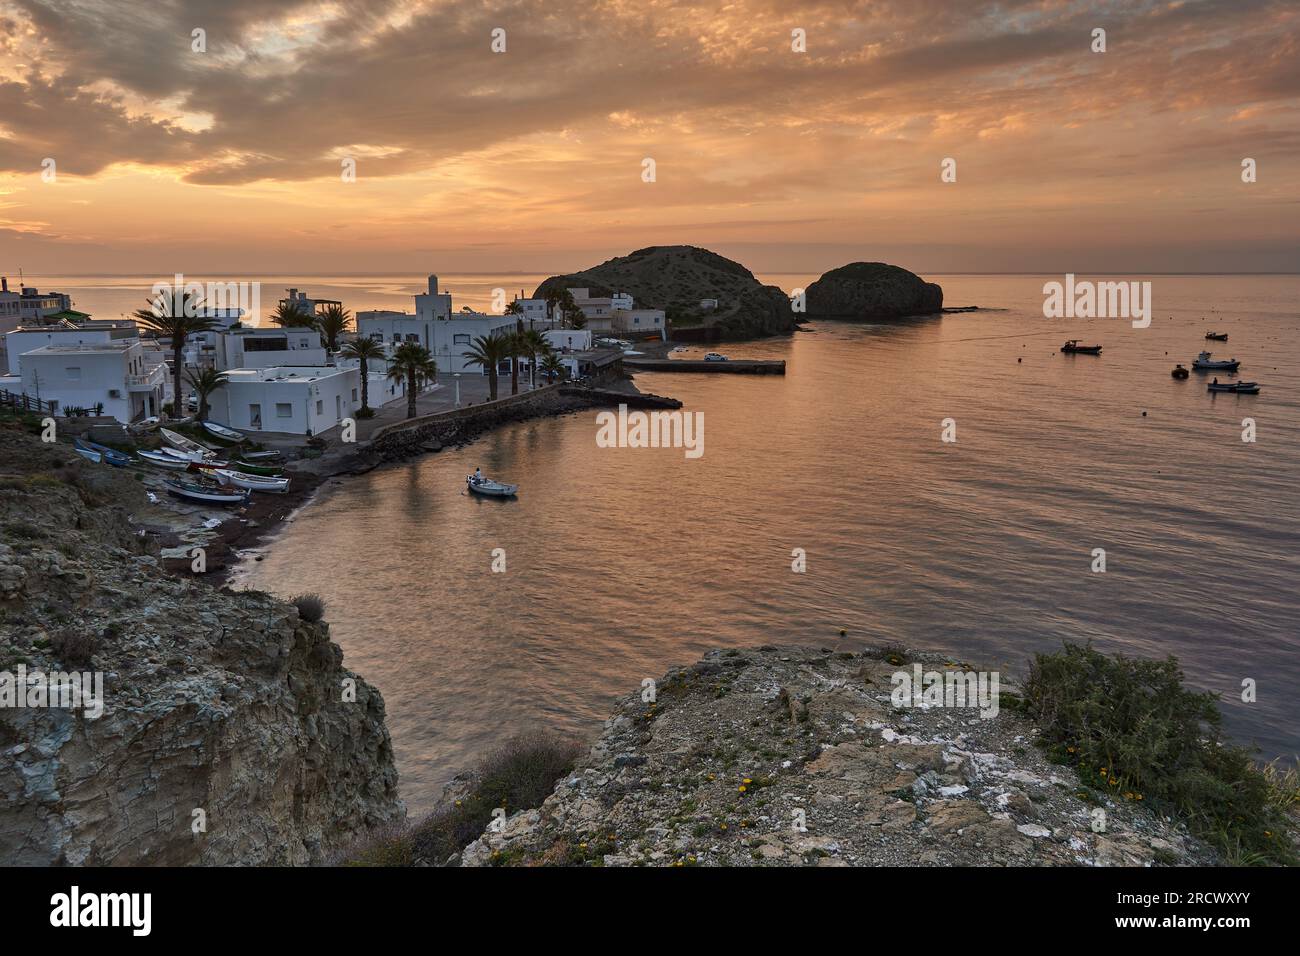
{"x":733,"y":366}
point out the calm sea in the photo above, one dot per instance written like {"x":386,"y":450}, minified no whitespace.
{"x":623,"y":562}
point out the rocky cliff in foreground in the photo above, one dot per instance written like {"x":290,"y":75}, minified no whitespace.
{"x":224,"y":711}
{"x":872,"y":290}
{"x":795,"y":756}
{"x":676,"y":278}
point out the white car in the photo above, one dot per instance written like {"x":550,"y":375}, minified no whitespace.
{"x":715,"y":357}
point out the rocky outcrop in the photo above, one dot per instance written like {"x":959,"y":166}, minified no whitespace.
{"x":231,"y":732}
{"x":676,"y":279}
{"x":872,"y":290}
{"x":796,"y":756}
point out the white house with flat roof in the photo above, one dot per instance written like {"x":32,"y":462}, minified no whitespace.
{"x":267,"y":347}
{"x":445,"y":334}
{"x":298,"y":400}
{"x":570,"y":340}
{"x":115,"y":375}
{"x":534,"y":311}
{"x":27,"y":338}
{"x":643,"y":321}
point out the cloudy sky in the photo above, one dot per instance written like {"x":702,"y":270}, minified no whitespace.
{"x":170,"y":160}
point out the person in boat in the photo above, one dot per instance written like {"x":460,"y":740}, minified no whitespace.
{"x":478,"y":475}
{"x":1216,"y":380}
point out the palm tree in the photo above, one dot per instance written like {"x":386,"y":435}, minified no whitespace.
{"x":291,"y":315}
{"x":413,"y":363}
{"x":206,"y":382}
{"x":332,"y":323}
{"x":488,"y":351}
{"x":177,"y":321}
{"x":552,"y":366}
{"x":516,"y":342}
{"x":363,"y":350}
{"x":532,"y":343}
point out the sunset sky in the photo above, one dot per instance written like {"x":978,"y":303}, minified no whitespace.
{"x":170,"y":160}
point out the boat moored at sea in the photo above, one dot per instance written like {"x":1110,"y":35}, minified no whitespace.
{"x":1180,"y":372}
{"x":1217,"y":336}
{"x":1240,"y":388}
{"x":1073,"y":347}
{"x":486,"y":486}
{"x":1206,"y":362}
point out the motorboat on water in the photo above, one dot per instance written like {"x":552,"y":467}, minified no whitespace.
{"x":206,"y":493}
{"x":1180,"y":372}
{"x":1073,"y":346}
{"x":109,"y":456}
{"x":1241,"y":388}
{"x":1217,"y":336}
{"x":480,"y":485}
{"x":1205,"y":362}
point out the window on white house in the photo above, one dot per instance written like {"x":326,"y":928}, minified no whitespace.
{"x":354,"y":395}
{"x":320,"y":407}
{"x":283,"y":410}
{"x":74,"y":374}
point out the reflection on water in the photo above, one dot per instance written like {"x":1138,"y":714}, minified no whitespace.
{"x":623,"y":562}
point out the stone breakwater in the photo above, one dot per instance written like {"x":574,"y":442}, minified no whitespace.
{"x":232,"y":733}
{"x":415,"y":436}
{"x":798,"y":756}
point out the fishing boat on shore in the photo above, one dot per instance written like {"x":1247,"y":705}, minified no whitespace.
{"x":228,"y":476}
{"x":163,"y":460}
{"x":1205,"y":362}
{"x":1217,"y":336}
{"x":187,"y":445}
{"x":1073,"y":347}
{"x":1241,"y":388}
{"x":206,"y":493}
{"x":261,"y":455}
{"x":1180,"y":372}
{"x":144,"y":425}
{"x":221,"y":431}
{"x":480,"y":485}
{"x":211,"y":464}
{"x":87,"y":454}
{"x":110,"y":456}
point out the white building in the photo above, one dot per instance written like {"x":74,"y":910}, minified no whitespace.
{"x":306,"y":305}
{"x":115,"y":375}
{"x":294,"y":399}
{"x":445,"y":334}
{"x":27,"y":338}
{"x":534,"y":312}
{"x":569,"y":340}
{"x":267,"y":347}
{"x":600,"y":309}
{"x":644,"y":321}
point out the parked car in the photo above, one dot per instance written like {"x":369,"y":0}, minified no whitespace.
{"x":715,"y":357}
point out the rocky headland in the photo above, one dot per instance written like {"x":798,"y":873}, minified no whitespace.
{"x":676,"y":279}
{"x":872,"y":290}
{"x":798,"y":756}
{"x":231,"y":733}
